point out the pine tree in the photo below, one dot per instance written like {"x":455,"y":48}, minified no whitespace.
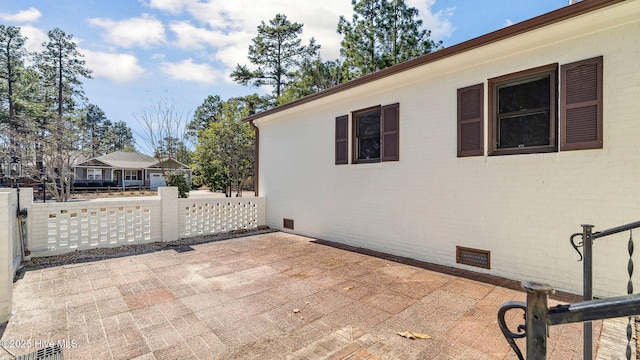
{"x":61,"y":65}
{"x":207,"y":112}
{"x":382,"y":33}
{"x":94,"y":126}
{"x":118,"y":137}
{"x":12,"y":57}
{"x":313,"y":76}
{"x":276,"y":52}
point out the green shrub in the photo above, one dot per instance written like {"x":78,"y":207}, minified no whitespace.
{"x":178,"y":180}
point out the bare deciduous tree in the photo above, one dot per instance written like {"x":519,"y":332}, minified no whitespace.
{"x":164,"y":133}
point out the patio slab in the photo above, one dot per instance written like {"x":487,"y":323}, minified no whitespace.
{"x":268,"y":296}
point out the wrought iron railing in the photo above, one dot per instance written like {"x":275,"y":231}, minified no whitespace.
{"x":588,"y":237}
{"x":538,"y":316}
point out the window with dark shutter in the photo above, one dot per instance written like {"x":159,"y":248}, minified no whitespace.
{"x":470,"y":124}
{"x":581,"y":101}
{"x":390,"y":133}
{"x":376,"y":134}
{"x":342,"y":140}
{"x":522,"y":112}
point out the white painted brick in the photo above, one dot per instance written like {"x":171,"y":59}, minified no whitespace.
{"x":522,"y":208}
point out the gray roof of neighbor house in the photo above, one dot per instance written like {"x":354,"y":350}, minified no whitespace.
{"x":124,"y":160}
{"x":564,"y":13}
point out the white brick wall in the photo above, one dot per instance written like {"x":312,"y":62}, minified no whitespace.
{"x":213,"y":216}
{"x":58,"y":228}
{"x":7,"y":233}
{"x":522,"y":208}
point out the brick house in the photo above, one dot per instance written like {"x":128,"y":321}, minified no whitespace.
{"x":485,"y":155}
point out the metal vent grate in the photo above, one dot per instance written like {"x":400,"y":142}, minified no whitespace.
{"x":473,"y":257}
{"x":287,"y":224}
{"x":49,"y":353}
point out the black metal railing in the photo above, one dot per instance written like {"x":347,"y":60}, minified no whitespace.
{"x":538,"y":316}
{"x":588,"y":237}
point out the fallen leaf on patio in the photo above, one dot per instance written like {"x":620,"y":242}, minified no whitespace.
{"x":348,"y":288}
{"x":413,"y":336}
{"x":295,"y":311}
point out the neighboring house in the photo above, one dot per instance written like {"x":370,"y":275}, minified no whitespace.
{"x":491,"y":152}
{"x":123,"y":169}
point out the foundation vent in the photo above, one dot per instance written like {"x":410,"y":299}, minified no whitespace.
{"x":473,"y":257}
{"x":287,"y":223}
{"x":49,"y":353}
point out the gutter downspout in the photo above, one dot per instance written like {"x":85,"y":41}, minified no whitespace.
{"x":256,"y":159}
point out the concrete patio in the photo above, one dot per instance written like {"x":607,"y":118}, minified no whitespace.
{"x":268,"y":296}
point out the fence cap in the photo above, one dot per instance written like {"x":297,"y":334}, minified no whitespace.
{"x":532,"y":286}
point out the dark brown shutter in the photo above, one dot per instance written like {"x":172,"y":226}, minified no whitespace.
{"x":140,"y":175}
{"x":470,"y":124}
{"x":581,"y":101}
{"x":390,"y":132}
{"x":342,"y":140}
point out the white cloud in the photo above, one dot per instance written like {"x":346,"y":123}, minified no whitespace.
{"x":172,"y":6}
{"x":189,"y":71}
{"x":142,"y":31}
{"x":227,"y":27}
{"x":507,"y":23}
{"x":25,"y":16}
{"x":192,"y":37}
{"x":35,"y":38}
{"x":120,"y":68}
{"x":438,"y":22}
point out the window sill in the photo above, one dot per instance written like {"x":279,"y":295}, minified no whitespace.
{"x":366,"y":161}
{"x":522,"y":151}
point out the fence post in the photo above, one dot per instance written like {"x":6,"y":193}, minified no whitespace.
{"x":536,"y":319}
{"x":7,"y":232}
{"x":26,"y":202}
{"x":587,"y":275}
{"x":169,"y":204}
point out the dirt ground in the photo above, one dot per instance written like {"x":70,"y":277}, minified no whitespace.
{"x":112,"y":194}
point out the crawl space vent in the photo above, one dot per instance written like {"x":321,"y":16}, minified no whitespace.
{"x":287,"y":224}
{"x":473,"y":257}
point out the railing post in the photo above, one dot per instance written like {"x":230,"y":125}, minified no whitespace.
{"x":587,"y":274}
{"x":536,"y":319}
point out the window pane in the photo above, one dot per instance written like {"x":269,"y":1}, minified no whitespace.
{"x":369,"y":148}
{"x":524,"y":130}
{"x":524,"y":96}
{"x":369,"y":124}
{"x":368,"y":135}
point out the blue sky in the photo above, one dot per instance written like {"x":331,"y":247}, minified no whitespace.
{"x":142,"y":51}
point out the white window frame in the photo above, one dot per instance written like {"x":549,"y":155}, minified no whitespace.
{"x":131,"y":174}
{"x":94,"y":174}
